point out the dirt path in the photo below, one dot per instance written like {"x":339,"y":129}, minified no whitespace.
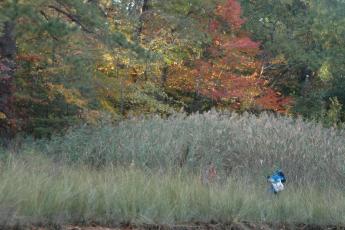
{"x":204,"y":226}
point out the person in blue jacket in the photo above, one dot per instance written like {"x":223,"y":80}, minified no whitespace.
{"x":277,"y":181}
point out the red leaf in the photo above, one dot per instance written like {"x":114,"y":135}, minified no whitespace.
{"x":231,"y":12}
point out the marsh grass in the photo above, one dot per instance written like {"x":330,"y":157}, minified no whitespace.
{"x":237,"y":144}
{"x":31,"y":192}
{"x":150,"y":171}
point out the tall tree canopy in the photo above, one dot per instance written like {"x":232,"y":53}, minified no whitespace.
{"x":303,"y":49}
{"x":68,"y":61}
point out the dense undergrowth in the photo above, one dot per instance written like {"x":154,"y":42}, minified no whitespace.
{"x":150,"y":171}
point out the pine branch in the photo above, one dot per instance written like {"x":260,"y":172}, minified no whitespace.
{"x":72,"y":17}
{"x":47,"y":18}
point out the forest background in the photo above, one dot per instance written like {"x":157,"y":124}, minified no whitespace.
{"x":66,"y":62}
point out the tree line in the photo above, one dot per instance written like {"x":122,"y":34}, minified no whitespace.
{"x":63,"y":62}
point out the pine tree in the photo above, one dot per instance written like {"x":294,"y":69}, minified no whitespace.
{"x":7,"y":70}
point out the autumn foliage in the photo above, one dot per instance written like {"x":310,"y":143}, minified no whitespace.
{"x":73,"y":63}
{"x":231,"y":12}
{"x":32,"y":58}
{"x":229,"y":69}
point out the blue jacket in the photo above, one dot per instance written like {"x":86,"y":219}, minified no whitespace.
{"x":277,"y":177}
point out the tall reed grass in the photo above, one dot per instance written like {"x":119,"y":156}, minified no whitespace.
{"x":237,"y":144}
{"x":150,"y":171}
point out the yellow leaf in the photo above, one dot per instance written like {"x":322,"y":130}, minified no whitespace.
{"x":2,"y":116}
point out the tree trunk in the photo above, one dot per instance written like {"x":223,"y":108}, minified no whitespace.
{"x":142,"y":11}
{"x":7,"y":89}
{"x":164,"y":75}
